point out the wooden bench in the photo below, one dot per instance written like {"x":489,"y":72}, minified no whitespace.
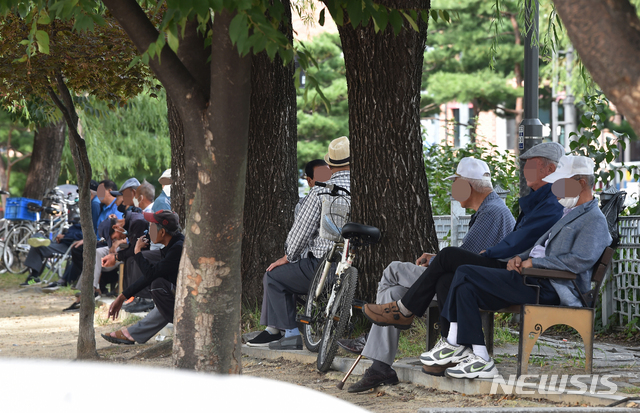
{"x":536,"y":318}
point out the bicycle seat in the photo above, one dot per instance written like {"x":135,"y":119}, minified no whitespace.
{"x":365,"y":233}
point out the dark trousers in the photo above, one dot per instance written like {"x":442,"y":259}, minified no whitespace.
{"x":132,"y":272}
{"x":437,"y":279}
{"x":474,"y":288}
{"x":35,"y":258}
{"x":281,"y":285}
{"x":163,"y":293}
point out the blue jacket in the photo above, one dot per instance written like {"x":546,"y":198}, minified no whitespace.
{"x":575,"y":244}
{"x":74,"y":233}
{"x":540,"y":210}
{"x":162,"y":202}
{"x":96,"y":208}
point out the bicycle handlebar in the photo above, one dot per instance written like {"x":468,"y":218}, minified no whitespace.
{"x":333,"y":188}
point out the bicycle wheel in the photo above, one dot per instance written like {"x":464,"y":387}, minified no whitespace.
{"x":314,"y":309}
{"x":338,"y":319}
{"x":16,"y":249}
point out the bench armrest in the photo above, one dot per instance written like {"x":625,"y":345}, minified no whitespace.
{"x":542,"y":273}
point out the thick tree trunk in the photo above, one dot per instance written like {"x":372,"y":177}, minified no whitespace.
{"x":86,"y":348}
{"x":388,"y":179}
{"x":207,"y":316}
{"x":176,"y":134}
{"x":271,"y":193}
{"x":606,"y":35}
{"x":44,"y":168}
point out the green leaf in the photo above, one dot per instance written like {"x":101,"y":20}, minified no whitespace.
{"x":173,"y":41}
{"x":238,"y":27}
{"x":321,"y":20}
{"x":354,"y":8}
{"x":395,"y":18}
{"x":43,"y":41}
{"x":272,"y":49}
{"x":411,"y":21}
{"x":44,"y":18}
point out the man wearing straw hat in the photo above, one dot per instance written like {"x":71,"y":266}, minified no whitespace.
{"x":292,"y":274}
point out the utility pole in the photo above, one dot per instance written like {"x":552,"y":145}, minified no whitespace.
{"x":530,"y":130}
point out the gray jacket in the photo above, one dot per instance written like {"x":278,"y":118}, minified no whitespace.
{"x":575,"y":244}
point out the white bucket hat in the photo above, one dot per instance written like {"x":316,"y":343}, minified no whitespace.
{"x":569,"y":166}
{"x":339,"y":154}
{"x":165,"y":179}
{"x":472,"y":168}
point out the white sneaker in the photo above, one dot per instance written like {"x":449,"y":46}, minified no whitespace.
{"x":473,"y":367}
{"x":444,"y":353}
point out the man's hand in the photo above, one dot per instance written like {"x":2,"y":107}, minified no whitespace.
{"x":527,"y":264}
{"x":514,"y":264}
{"x":115,"y":244}
{"x":59,"y":238}
{"x":112,"y":216}
{"x":424,"y":259}
{"x":278,"y":263}
{"x":77,"y":244}
{"x":109,"y":260}
{"x":116,"y":305}
{"x":482,"y":252}
{"x":140,"y":245}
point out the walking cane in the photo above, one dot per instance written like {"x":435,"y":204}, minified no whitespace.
{"x":355,"y":363}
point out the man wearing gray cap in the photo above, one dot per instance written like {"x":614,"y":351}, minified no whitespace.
{"x":540,"y":210}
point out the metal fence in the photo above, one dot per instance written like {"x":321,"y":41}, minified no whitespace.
{"x":621,"y":288}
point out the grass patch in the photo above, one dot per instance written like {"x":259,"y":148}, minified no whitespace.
{"x":8,"y":280}
{"x":67,"y":291}
{"x":413,"y":341}
{"x":250,"y":319}
{"x":630,"y":390}
{"x":130,"y":319}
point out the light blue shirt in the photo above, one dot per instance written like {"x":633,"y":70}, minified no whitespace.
{"x":108,"y":210}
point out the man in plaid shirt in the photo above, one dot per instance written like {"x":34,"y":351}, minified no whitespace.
{"x":292,"y":274}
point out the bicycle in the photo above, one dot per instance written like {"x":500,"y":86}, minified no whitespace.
{"x":330,"y":299}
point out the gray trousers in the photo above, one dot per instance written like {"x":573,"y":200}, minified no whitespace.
{"x":281,"y":285}
{"x":146,"y":328}
{"x":98,"y":268}
{"x":382,"y":343}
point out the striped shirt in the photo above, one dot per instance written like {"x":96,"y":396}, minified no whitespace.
{"x":306,"y":227}
{"x":491,"y":222}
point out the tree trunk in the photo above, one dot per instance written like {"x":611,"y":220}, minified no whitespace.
{"x":388,"y":179}
{"x":44,"y":168}
{"x":606,"y":35}
{"x":176,"y":134}
{"x":207,"y":316}
{"x":86,"y":348}
{"x":271,"y":192}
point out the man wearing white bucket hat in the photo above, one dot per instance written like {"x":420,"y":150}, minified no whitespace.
{"x":292,"y":274}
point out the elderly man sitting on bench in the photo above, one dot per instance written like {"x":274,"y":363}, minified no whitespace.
{"x":573,"y":244}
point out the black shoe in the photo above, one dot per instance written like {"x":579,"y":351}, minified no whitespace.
{"x":30,"y":280}
{"x":263,"y":339}
{"x":143,"y":306}
{"x":287,"y":343}
{"x":355,"y":345}
{"x":373,"y":378}
{"x":73,"y":307}
{"x":135,"y":301}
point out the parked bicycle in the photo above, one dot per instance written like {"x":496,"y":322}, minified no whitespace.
{"x":330,"y":300}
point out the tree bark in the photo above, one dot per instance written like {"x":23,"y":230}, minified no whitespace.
{"x":44,"y":168}
{"x":388,"y":179}
{"x":178,"y":167}
{"x":606,"y":35}
{"x":207,"y":317}
{"x":86,"y":348}
{"x":271,"y":192}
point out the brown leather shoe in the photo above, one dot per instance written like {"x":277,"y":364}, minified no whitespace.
{"x":436,"y":370}
{"x":373,"y":378}
{"x":387,"y":315}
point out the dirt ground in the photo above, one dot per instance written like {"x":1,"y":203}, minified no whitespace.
{"x":32,"y":325}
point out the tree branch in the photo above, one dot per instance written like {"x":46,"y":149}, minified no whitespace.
{"x":23,"y":157}
{"x":173,"y":75}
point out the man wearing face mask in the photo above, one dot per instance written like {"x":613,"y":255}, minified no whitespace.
{"x":572,"y":244}
{"x":145,"y":195}
{"x":491,"y":223}
{"x":540,"y":210}
{"x":160,"y":276}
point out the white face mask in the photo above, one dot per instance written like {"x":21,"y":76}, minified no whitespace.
{"x":569,"y":202}
{"x":135,"y":202}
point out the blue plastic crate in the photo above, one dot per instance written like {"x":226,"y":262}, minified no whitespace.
{"x":17,"y":209}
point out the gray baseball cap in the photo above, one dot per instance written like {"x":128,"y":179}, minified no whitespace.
{"x":129,"y":183}
{"x":549,"y":150}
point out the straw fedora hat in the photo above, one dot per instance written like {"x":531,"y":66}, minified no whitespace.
{"x":338,"y":152}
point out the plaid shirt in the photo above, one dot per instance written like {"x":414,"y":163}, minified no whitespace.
{"x":489,"y":225}
{"x":305,"y":232}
